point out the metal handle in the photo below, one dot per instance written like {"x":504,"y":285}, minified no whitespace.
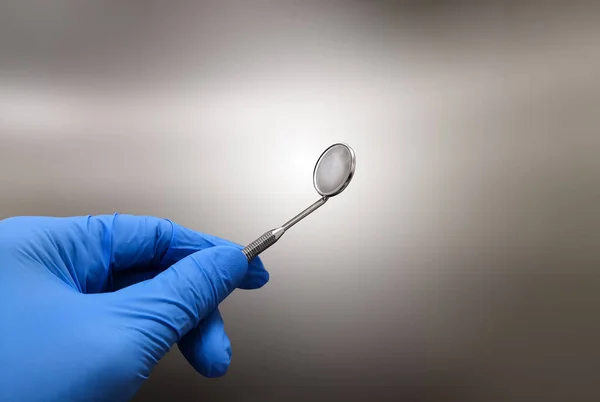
{"x":269,"y":238}
{"x":262,"y":243}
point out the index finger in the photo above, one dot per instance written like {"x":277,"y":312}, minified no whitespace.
{"x":159,"y":243}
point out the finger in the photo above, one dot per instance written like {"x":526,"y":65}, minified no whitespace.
{"x":183,"y":243}
{"x":154,"y":244}
{"x":207,"y":347}
{"x":186,"y":242}
{"x":94,"y":250}
{"x":176,"y":300}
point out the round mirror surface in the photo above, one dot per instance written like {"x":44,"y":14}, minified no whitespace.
{"x":334,"y":170}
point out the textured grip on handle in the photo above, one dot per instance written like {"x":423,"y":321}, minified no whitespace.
{"x":262,"y":243}
{"x":268,"y":239}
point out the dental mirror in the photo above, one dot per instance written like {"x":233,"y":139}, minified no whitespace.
{"x":332,"y":174}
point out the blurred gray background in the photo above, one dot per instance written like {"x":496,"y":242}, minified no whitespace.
{"x":461,"y":264}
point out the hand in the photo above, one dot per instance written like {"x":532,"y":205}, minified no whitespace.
{"x":88,"y":305}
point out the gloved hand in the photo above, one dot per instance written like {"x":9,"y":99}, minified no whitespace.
{"x":88,"y":305}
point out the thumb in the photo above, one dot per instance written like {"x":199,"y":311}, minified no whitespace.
{"x":167,"y":306}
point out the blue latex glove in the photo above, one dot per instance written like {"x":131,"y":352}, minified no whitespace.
{"x":88,"y":305}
